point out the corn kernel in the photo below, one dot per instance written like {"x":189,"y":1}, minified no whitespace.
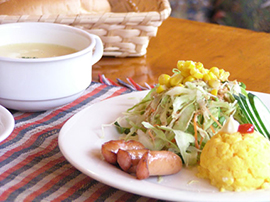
{"x":188,"y":65}
{"x":185,"y":72}
{"x":212,"y":76}
{"x":215,"y":71}
{"x":164,"y":79}
{"x":180,"y":64}
{"x":206,"y":77}
{"x":214,"y":83}
{"x":199,"y":66}
{"x":224,"y":76}
{"x":214,"y":92}
{"x":196,"y":73}
{"x":189,"y":79}
{"x":161,"y":88}
{"x":204,"y":71}
{"x":176,"y":79}
{"x":221,"y":71}
{"x":181,"y":85}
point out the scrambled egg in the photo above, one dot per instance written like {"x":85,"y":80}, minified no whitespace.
{"x":236,"y":162}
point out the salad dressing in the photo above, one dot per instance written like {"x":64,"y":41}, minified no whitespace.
{"x":230,"y":126}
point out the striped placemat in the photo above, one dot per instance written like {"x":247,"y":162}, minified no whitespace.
{"x":32,"y":167}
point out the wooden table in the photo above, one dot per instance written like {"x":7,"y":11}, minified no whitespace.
{"x":244,"y":53}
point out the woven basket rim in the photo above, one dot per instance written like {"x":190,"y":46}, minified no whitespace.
{"x":158,"y":15}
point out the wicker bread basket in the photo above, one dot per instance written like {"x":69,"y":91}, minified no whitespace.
{"x":125,"y":31}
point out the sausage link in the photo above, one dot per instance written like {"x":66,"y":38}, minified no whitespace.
{"x":129,"y":159}
{"x":158,"y":163}
{"x":110,"y":149}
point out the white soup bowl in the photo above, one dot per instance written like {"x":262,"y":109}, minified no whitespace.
{"x":38,"y":84}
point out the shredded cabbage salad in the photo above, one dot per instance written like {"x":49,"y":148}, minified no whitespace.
{"x":181,"y":118}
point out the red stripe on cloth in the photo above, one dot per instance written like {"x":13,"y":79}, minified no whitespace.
{"x":27,"y":179}
{"x":100,"y":78}
{"x":24,"y":115}
{"x":112,"y":82}
{"x":11,"y":136}
{"x":98,"y":193}
{"x":73,"y":189}
{"x":118,"y":92}
{"x":125,"y":197}
{"x":49,"y":184}
{"x":134,"y":84}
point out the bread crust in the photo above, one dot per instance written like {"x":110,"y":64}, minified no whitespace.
{"x":52,"y":7}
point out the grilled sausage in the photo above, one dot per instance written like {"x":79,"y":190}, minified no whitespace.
{"x":110,"y":149}
{"x":128,"y":159}
{"x":158,"y":163}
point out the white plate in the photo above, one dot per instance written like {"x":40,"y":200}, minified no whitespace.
{"x":6,"y":123}
{"x":80,"y":141}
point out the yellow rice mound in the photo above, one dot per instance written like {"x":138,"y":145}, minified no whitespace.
{"x":236,"y":162}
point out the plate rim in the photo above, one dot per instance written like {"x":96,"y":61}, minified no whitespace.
{"x":9,"y":123}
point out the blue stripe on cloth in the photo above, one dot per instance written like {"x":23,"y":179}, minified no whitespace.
{"x":26,"y":118}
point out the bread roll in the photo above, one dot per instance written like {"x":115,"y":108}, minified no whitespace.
{"x":52,"y":7}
